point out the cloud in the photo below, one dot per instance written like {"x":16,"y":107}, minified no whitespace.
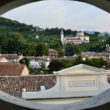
{"x":62,"y":13}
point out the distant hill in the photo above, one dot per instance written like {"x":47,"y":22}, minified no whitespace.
{"x":104,"y":34}
{"x":50,"y":36}
{"x":90,"y":32}
{"x":7,"y":26}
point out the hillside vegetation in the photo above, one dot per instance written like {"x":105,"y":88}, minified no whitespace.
{"x":16,"y":37}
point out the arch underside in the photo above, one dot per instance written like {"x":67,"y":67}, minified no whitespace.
{"x":102,"y":4}
{"x":6,"y":5}
{"x":101,"y":102}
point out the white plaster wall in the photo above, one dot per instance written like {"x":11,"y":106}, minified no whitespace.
{"x":87,"y":38}
{"x":59,"y":90}
{"x":25,"y":72}
{"x":34,"y":64}
{"x":78,"y":70}
{"x":3,"y":60}
{"x":59,"y":101}
{"x":37,"y":63}
{"x":12,"y":60}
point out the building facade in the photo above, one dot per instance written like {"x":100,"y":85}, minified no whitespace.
{"x":72,"y":84}
{"x":53,"y":53}
{"x":12,"y":57}
{"x":76,"y":40}
{"x":91,"y":55}
{"x":36,"y":62}
{"x":107,"y":48}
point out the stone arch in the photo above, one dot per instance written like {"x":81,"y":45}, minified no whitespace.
{"x":7,"y":5}
{"x":100,"y":102}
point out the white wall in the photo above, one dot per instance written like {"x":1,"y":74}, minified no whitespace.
{"x":37,"y":63}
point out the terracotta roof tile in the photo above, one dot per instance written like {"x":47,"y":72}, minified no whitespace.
{"x":11,"y":69}
{"x":10,"y":56}
{"x":14,"y":85}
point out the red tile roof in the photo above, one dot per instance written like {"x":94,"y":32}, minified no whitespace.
{"x":10,"y":56}
{"x":13,"y":85}
{"x":11,"y":69}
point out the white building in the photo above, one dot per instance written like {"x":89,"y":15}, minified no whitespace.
{"x":12,"y":57}
{"x":91,"y":55}
{"x":36,"y":62}
{"x":108,"y":48}
{"x":62,"y":38}
{"x":37,"y":37}
{"x":72,"y":84}
{"x":78,"y":39}
{"x":80,"y":35}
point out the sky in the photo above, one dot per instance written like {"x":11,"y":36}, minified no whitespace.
{"x":63,"y":14}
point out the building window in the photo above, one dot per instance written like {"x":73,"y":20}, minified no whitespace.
{"x":42,"y":87}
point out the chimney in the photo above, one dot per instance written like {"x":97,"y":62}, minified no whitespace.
{"x":23,"y":90}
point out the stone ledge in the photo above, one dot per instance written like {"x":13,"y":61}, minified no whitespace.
{"x":100,"y":102}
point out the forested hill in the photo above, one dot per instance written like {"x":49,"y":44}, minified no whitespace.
{"x":12,"y":31}
{"x":11,"y":25}
{"x":8,"y":26}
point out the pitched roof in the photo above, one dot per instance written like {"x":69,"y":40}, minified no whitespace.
{"x":10,"y":56}
{"x":95,"y":54}
{"x":1,"y":58}
{"x":11,"y":69}
{"x":13,"y":85}
{"x":52,"y":50}
{"x":37,"y":58}
{"x":79,"y":66}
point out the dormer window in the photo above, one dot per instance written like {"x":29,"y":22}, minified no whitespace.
{"x":42,"y":87}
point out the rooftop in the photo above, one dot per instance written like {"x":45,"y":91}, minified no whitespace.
{"x":37,"y":58}
{"x":11,"y":69}
{"x":10,"y":56}
{"x":13,"y":85}
{"x":94,"y":53}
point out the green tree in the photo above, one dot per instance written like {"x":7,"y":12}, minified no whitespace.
{"x":108,"y":40}
{"x":102,"y":62}
{"x":4,"y":42}
{"x":69,"y":50}
{"x":42,"y":50}
{"x":67,"y":62}
{"x":60,"y":52}
{"x":24,"y":61}
{"x":78,"y":60}
{"x":96,"y":62}
{"x":42,"y":66}
{"x":76,"y":50}
{"x":0,"y":50}
{"x":88,"y":61}
{"x":15,"y":43}
{"x":28,"y":50}
{"x":55,"y":65}
{"x":16,"y":36}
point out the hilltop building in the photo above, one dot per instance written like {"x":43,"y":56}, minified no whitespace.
{"x":76,"y":40}
{"x":102,"y":39}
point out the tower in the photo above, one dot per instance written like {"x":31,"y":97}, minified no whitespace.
{"x":62,"y":38}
